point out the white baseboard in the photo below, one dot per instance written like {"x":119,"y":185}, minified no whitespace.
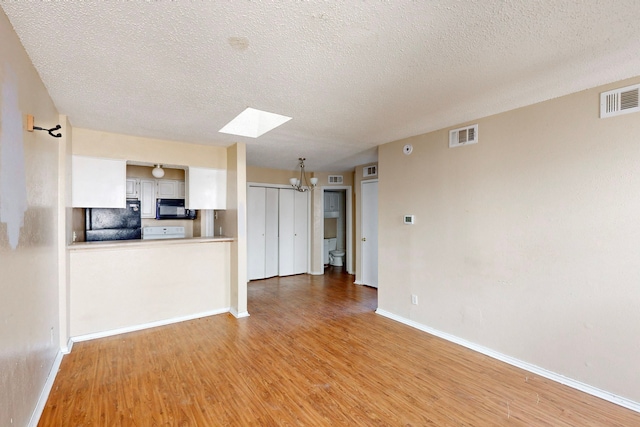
{"x":119,"y":331}
{"x":602,"y":394}
{"x":358,"y":282}
{"x":46,"y":390}
{"x":239,"y":315}
{"x":320,"y":273}
{"x":67,"y":349}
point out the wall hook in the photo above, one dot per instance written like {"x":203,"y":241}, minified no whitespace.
{"x":31,"y":127}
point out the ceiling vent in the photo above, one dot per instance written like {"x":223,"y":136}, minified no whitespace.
{"x":619,"y":101}
{"x":463,"y":136}
{"x":336,"y":179}
{"x":369,"y":171}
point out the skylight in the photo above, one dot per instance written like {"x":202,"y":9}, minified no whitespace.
{"x":253,"y":123}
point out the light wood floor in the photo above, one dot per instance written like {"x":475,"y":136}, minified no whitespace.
{"x":312,"y":353}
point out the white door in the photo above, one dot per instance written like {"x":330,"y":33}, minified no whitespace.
{"x":271,"y":232}
{"x":262,"y":232}
{"x":301,"y":241}
{"x":286,"y":232}
{"x":256,"y":229}
{"x":370,"y":233}
{"x":293,"y":241}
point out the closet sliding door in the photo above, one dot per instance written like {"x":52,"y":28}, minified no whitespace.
{"x":300,"y":232}
{"x":293,"y":241}
{"x":271,"y":232}
{"x":287,"y":231}
{"x":256,"y":204}
{"x":262,"y":232}
{"x":277,"y":232}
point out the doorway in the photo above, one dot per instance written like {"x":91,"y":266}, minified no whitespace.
{"x":369,"y":235}
{"x":336,"y":227}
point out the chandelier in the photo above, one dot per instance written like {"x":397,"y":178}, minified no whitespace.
{"x":302,"y":184}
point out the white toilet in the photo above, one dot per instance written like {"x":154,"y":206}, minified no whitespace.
{"x":333,"y":255}
{"x":329,"y":246}
{"x":336,"y":257}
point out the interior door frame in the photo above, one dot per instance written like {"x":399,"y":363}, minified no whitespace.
{"x":348,"y":223}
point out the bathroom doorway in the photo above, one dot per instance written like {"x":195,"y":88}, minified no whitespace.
{"x":337,"y":233}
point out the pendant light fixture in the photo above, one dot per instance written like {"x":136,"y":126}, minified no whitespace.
{"x":303,"y":184}
{"x":158,"y":172}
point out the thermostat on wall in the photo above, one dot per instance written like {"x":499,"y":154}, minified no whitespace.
{"x":409,"y":219}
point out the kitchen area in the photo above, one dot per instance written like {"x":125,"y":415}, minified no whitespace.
{"x":155,"y":208}
{"x":145,"y":251}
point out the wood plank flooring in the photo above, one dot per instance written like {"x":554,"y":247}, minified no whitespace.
{"x":313,"y":353}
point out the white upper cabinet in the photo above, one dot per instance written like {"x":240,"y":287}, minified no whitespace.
{"x":170,"y":189}
{"x":206,"y":188}
{"x":132,"y":188}
{"x":331,"y":204}
{"x":98,"y":183}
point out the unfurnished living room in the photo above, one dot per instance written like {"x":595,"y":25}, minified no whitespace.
{"x":320,"y":213}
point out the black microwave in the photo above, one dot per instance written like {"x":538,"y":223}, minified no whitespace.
{"x":173,"y":209}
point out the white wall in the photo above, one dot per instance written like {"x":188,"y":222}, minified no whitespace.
{"x":125,"y":285}
{"x":235,"y":223}
{"x":527,"y":243}
{"x":29,"y":331}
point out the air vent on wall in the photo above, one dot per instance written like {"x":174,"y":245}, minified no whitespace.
{"x":336,"y":179}
{"x":369,"y":171}
{"x":619,"y":101}
{"x":463,"y":136}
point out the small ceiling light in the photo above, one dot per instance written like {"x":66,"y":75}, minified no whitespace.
{"x":158,"y":172}
{"x":302,"y":184}
{"x":253,"y":123}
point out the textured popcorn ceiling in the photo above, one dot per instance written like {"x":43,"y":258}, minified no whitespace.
{"x":351,"y":74}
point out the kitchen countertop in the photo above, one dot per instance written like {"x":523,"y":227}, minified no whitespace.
{"x":112,"y":244}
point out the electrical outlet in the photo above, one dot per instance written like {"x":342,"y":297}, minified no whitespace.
{"x":414,"y":299}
